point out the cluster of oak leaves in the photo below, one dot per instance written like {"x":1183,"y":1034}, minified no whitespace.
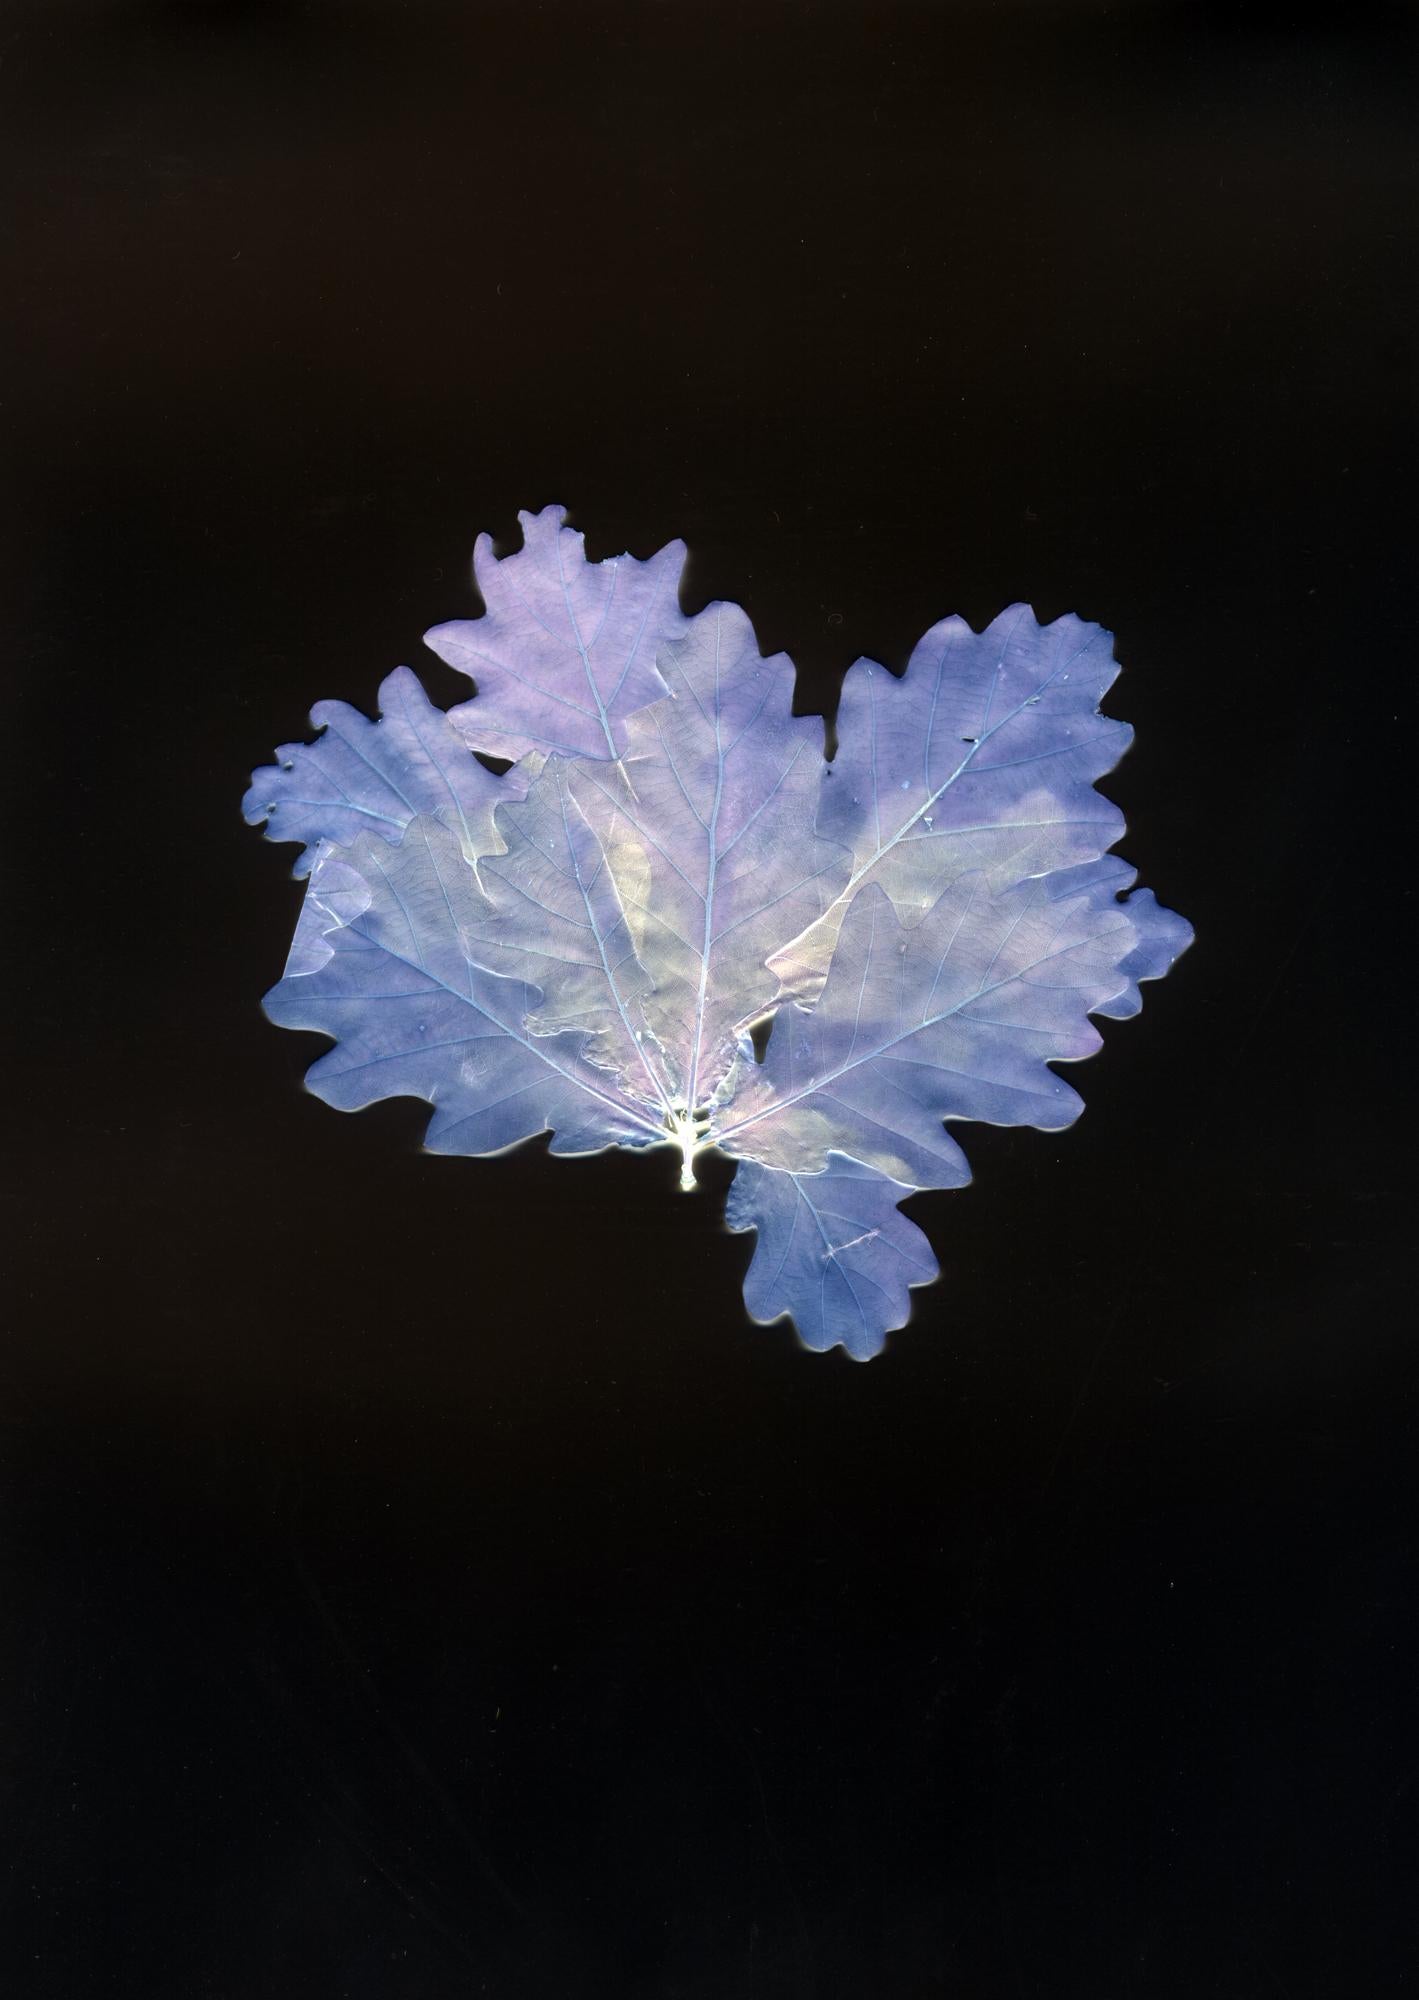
{"x":582,"y":943}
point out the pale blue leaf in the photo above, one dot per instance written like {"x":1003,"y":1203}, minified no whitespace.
{"x":928,"y":925}
{"x":983,"y":756}
{"x":374,"y":777}
{"x":566,"y":649}
{"x":834,"y":1252}
{"x":1162,"y":935}
{"x":959,"y":1016}
{"x":413,"y":1017}
{"x":551,"y":912}
{"x":707,"y":827}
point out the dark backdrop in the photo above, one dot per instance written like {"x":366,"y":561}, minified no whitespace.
{"x":421,"y":1580}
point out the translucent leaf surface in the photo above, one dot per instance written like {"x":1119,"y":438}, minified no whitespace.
{"x":552,"y":913}
{"x":958,"y":1016}
{"x":983,"y":756}
{"x":834,"y":1252}
{"x":374,"y":777}
{"x":707,"y":826}
{"x":414,"y":1017}
{"x":582,"y":947}
{"x":566,"y":649}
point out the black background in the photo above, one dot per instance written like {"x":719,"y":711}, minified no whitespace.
{"x":421,"y":1579}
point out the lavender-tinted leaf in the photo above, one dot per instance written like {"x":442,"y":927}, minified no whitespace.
{"x":707,"y":827}
{"x":956,"y":1017}
{"x":671,"y":859}
{"x":983,"y":756}
{"x":374,"y":777}
{"x":412,"y":1016}
{"x":834,"y":1252}
{"x":552,"y":914}
{"x":566,"y":649}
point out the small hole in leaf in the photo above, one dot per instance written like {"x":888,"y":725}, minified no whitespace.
{"x":759,"y":1032}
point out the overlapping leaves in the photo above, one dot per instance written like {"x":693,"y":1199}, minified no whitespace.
{"x":582,"y":945}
